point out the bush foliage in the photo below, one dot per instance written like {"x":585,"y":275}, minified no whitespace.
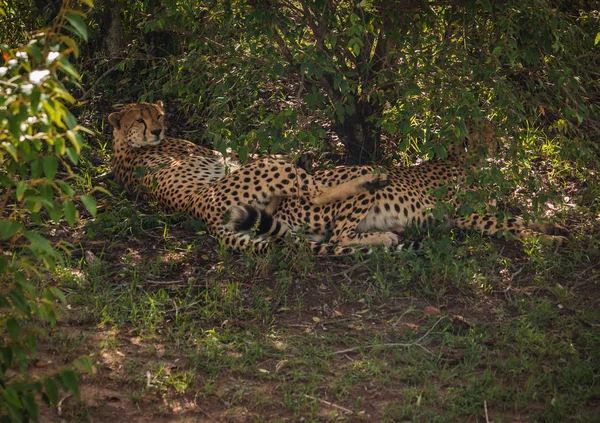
{"x":369,"y":81}
{"x":379,"y":77}
{"x":40,"y":141}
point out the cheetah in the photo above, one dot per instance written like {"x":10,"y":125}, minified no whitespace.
{"x":380,"y":218}
{"x":194,"y":180}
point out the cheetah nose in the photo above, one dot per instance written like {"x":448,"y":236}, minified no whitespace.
{"x":156,"y":132}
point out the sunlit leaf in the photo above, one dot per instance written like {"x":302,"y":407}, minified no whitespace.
{"x":8,"y":228}
{"x":84,"y":363}
{"x":50,"y":165}
{"x":51,"y":390}
{"x":78,"y":24}
{"x":70,"y":212}
{"x":90,"y":203}
{"x":69,"y":380}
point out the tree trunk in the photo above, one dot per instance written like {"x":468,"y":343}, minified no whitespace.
{"x":361,"y":142}
{"x":111,"y":20}
{"x":359,"y":136}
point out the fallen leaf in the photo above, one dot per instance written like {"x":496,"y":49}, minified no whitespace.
{"x":412,"y":326}
{"x":461,"y":322}
{"x":432,"y":311}
{"x":316,"y":319}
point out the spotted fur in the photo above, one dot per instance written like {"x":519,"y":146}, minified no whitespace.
{"x":196,"y":181}
{"x":380,"y":218}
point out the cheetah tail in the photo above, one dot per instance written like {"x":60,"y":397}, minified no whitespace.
{"x":245,"y":218}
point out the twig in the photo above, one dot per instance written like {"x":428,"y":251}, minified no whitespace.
{"x":103,"y":176}
{"x":350,"y":269}
{"x":339,"y":407}
{"x":396,"y":344}
{"x":60,"y":403}
{"x":165,"y":282}
{"x":512,"y":278}
{"x":487,"y":419}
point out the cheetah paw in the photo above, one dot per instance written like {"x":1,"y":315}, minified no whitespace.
{"x":550,"y":229}
{"x":388,"y":239}
{"x":556,"y":240}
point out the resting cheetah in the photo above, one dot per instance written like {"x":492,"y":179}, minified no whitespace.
{"x":194,"y":180}
{"x":408,"y":199}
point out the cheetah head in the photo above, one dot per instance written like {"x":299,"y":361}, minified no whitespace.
{"x":480,"y":143}
{"x":139,"y":124}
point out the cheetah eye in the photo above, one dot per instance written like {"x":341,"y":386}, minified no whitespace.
{"x":140,"y":120}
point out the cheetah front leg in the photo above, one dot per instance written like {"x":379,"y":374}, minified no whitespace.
{"x":490,"y":225}
{"x":364,"y":183}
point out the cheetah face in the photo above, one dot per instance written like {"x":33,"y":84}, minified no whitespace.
{"x":139,"y":124}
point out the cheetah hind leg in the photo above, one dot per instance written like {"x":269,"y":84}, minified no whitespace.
{"x":364,"y":183}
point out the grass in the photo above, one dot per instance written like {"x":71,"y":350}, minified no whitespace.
{"x":471,"y":329}
{"x":261,"y":337}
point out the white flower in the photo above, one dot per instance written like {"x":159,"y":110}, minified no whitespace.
{"x":37,"y":76}
{"x":21,"y":55}
{"x":3,"y":70}
{"x":27,"y":88}
{"x":52,"y":56}
{"x":12,"y":62}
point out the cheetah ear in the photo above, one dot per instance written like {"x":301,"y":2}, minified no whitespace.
{"x":160,"y":104}
{"x":115,"y":119}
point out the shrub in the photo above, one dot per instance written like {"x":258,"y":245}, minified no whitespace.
{"x":40,"y":142}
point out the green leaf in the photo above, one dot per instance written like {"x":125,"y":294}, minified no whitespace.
{"x":597,"y":40}
{"x":84,"y":363}
{"x":70,"y":212}
{"x":11,"y":397}
{"x":90,"y":203}
{"x":67,"y":67}
{"x":487,"y":6}
{"x":465,"y":210}
{"x":58,"y":294}
{"x":50,"y":165}
{"x":51,"y":390}
{"x":21,"y":187}
{"x":30,"y":406}
{"x":8,"y":228}
{"x":70,"y":120}
{"x":13,"y":328}
{"x":66,"y":188}
{"x":39,"y":199}
{"x":6,"y":355}
{"x":73,"y":156}
{"x":78,"y":24}
{"x":19,"y":301}
{"x":278,"y":69}
{"x":440,"y":151}
{"x":40,"y":242}
{"x":69,"y":380}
